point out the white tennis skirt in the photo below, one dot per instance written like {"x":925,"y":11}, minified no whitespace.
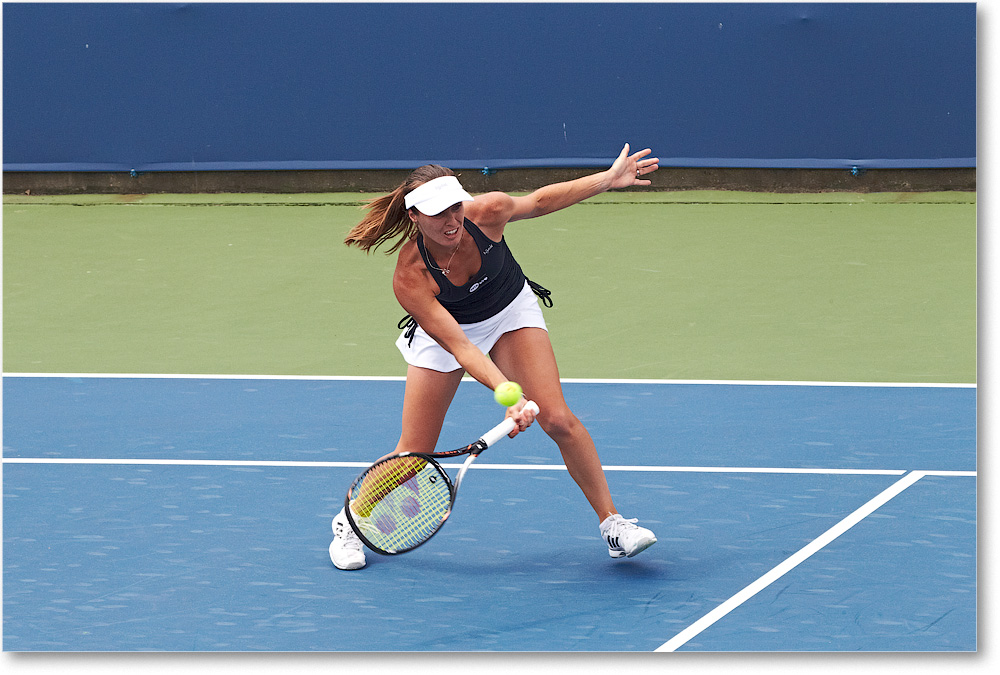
{"x":425,"y":352}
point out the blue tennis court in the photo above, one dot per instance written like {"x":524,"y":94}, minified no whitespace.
{"x":193,"y":514}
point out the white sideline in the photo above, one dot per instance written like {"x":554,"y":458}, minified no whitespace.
{"x":788,"y":564}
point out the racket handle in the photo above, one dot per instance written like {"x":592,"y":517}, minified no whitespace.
{"x":505,"y":427}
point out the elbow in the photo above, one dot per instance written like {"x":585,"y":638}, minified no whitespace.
{"x":543,"y":205}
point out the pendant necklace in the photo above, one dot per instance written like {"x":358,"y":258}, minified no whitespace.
{"x":446,"y":270}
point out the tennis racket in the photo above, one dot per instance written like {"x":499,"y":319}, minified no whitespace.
{"x":400,"y":502}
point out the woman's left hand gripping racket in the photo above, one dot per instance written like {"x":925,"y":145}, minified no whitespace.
{"x":400,"y":502}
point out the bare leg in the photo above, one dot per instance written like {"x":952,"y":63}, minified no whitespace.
{"x":425,"y":403}
{"x":526,"y":357}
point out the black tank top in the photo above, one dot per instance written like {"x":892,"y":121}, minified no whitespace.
{"x":488,"y":291}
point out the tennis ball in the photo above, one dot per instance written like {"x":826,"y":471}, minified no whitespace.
{"x":507,"y":393}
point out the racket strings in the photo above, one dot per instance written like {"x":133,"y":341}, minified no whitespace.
{"x":400,"y":502}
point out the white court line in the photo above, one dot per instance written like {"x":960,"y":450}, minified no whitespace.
{"x":781,"y":383}
{"x":972,"y":474}
{"x":700,"y":469}
{"x":568,"y":380}
{"x":694,"y":629}
{"x":508,"y":467}
{"x":180,"y":462}
{"x":790,"y":563}
{"x":501,"y":467}
{"x":167,"y":376}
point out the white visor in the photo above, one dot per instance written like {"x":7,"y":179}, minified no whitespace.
{"x":436,"y":195}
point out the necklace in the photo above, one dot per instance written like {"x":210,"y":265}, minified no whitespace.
{"x":446,"y":270}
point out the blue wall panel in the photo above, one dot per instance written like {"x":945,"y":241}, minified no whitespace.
{"x":261,"y":86}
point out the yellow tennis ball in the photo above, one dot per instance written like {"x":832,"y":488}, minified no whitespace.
{"x":507,"y":393}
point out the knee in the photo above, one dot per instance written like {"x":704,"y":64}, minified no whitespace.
{"x":561,"y":424}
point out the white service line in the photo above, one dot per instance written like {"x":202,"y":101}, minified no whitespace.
{"x":179,"y":462}
{"x":701,"y":469}
{"x":508,"y":467}
{"x":168,"y":376}
{"x":500,"y":467}
{"x":790,"y":563}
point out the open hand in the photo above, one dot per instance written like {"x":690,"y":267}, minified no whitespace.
{"x":627,"y":169}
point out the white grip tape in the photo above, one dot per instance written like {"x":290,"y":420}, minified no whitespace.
{"x":505,"y":427}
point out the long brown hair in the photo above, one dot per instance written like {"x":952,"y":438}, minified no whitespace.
{"x":387,"y":218}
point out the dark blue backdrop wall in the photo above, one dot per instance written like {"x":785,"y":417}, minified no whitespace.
{"x":326,"y":86}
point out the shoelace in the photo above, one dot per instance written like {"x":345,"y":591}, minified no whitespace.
{"x":618,"y":524}
{"x":349,"y":536}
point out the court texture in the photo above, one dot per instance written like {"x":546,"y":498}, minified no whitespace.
{"x":782,"y":387}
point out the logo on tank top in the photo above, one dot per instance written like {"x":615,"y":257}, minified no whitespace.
{"x":488,"y":249}
{"x":475,"y":287}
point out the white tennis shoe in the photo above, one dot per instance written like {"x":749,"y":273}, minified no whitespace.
{"x":624,"y":537}
{"x":346,"y":550}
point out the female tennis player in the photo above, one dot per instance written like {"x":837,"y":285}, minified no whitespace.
{"x":472,"y":310}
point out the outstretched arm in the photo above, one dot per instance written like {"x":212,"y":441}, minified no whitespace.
{"x":498,"y":209}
